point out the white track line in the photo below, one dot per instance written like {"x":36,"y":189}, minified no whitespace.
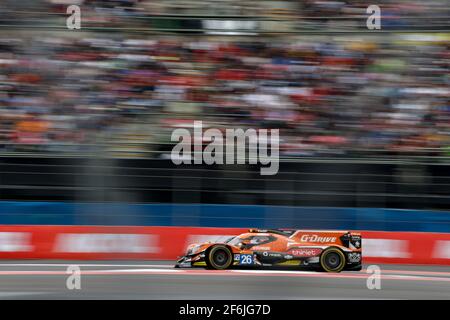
{"x":414,"y":272}
{"x":240,"y":273}
{"x":170,"y":266}
{"x":273,"y":271}
{"x":17,"y":295}
{"x":167,"y":269}
{"x":140,"y":270}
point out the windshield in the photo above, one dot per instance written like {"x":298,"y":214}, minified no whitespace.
{"x":233,"y":241}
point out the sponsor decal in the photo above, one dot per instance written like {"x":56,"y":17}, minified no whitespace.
{"x":288,"y":257}
{"x":272,"y":254}
{"x":261,"y":248}
{"x":15,"y":242}
{"x":246,"y":259}
{"x":106,"y":243}
{"x":185,"y":265}
{"x":354,"y":257}
{"x":305,"y":252}
{"x":442,"y":250}
{"x":316,"y":238}
{"x":237,"y":257}
{"x":386,"y":248}
{"x":275,"y":255}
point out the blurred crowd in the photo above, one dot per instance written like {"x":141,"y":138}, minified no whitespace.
{"x":289,"y":14}
{"x":328,"y":95}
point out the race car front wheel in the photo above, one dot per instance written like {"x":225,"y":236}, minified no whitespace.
{"x":219,"y":258}
{"x":332,"y":260}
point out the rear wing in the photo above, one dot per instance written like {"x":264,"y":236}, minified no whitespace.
{"x":284,"y":232}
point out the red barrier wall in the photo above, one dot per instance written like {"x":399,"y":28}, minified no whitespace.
{"x":128,"y":242}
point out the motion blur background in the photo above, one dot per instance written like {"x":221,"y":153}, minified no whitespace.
{"x":364,"y":115}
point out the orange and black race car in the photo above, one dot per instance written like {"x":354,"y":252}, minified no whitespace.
{"x":331,"y":251}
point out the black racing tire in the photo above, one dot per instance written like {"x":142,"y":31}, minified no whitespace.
{"x":219,"y":257}
{"x":332,"y":260}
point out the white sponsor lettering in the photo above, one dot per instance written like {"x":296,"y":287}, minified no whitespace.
{"x":354,"y":257}
{"x":15,"y":242}
{"x":386,"y":248}
{"x":442,"y":249}
{"x":305,"y":252}
{"x":260,"y":248}
{"x":316,"y":238}
{"x":107,"y":243}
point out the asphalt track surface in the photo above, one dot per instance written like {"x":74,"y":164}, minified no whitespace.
{"x":37,"y":279}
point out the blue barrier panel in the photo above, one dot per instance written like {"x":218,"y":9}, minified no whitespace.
{"x":209,"y":215}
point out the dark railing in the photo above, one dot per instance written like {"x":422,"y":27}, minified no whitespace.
{"x":303,"y":182}
{"x":260,"y":24}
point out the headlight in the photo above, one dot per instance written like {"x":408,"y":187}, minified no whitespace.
{"x":193,"y":250}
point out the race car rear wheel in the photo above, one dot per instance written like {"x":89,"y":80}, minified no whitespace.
{"x":219,"y":258}
{"x":332,"y":260}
